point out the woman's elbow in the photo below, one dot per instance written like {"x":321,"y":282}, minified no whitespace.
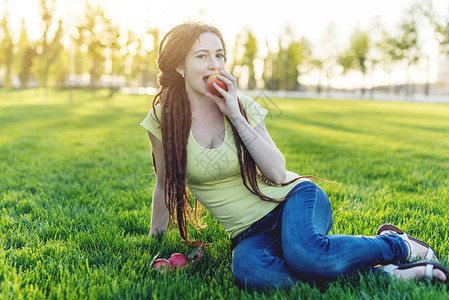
{"x":280,"y":172}
{"x":280,"y":177}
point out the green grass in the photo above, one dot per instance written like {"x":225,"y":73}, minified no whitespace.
{"x":76,"y":184}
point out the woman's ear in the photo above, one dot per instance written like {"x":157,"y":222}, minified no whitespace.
{"x":180,"y":71}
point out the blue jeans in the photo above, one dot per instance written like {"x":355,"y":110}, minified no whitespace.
{"x":291,"y":244}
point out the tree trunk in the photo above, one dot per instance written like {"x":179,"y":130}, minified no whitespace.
{"x":8,"y":74}
{"x":409,"y":88}
{"x":363,"y":84}
{"x":146,"y":76}
{"x":45,"y":81}
{"x":93,"y":76}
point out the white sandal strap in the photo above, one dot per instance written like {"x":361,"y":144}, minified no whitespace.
{"x":429,"y":255}
{"x":389,"y":268}
{"x":429,"y":271}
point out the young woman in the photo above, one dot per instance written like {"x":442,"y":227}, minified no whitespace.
{"x":219,"y":148}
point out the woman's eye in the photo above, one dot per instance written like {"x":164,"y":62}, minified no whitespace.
{"x":220,"y":56}
{"x":201,"y":56}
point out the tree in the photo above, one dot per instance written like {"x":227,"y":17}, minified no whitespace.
{"x":152,"y":58}
{"x":318,"y":64}
{"x":6,"y":52}
{"x":329,"y":58}
{"x":144,"y":51}
{"x":81,"y":63}
{"x":249,"y":57}
{"x":274,"y":68}
{"x":244,"y":55}
{"x":25,"y":56}
{"x":49,"y":46}
{"x":386,"y":60}
{"x":405,"y":46}
{"x":110,"y":40}
{"x":324,"y":59}
{"x":281,"y":68}
{"x":89,"y":35}
{"x":269,"y":71}
{"x":440,"y":25}
{"x":297,"y":53}
{"x":356,"y":56}
{"x":238,"y":45}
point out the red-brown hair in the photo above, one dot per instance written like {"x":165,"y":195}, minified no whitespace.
{"x":176,"y":122}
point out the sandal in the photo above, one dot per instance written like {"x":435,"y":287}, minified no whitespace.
{"x":413,"y":256}
{"x":430,"y":266}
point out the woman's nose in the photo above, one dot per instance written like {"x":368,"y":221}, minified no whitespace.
{"x":214,"y":63}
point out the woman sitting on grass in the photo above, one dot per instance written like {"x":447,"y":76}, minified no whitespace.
{"x":220,"y":149}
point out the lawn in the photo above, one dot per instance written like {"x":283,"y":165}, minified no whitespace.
{"x":76,"y":185}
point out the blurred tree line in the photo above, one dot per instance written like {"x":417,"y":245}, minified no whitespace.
{"x":114,"y":56}
{"x":65,"y":53}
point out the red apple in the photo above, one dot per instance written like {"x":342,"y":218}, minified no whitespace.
{"x":177,"y":260}
{"x":162,"y":265}
{"x":213,"y":78}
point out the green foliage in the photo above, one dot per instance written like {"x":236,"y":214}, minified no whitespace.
{"x":356,"y":56}
{"x":297,"y":53}
{"x":442,"y":30}
{"x":143,"y":53}
{"x":244,"y":55}
{"x":49,"y":46}
{"x":281,"y":68}
{"x":77,"y":180}
{"x":6,"y":52}
{"x":91,"y":33}
{"x":249,"y":56}
{"x":405,"y":46}
{"x":96,"y":43}
{"x":26,"y":54}
{"x":324,"y":57}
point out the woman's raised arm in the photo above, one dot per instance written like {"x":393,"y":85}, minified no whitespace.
{"x":266,"y":155}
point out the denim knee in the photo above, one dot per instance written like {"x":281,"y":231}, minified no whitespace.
{"x":257,"y":262}
{"x":308,"y":259}
{"x":249,"y":271}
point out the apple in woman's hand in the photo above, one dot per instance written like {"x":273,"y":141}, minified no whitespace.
{"x":213,"y":78}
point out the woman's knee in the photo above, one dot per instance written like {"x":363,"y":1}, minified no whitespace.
{"x":306,"y":212}
{"x":246,"y":270}
{"x":241,"y":267}
{"x":261,"y":268}
{"x":313,"y":262}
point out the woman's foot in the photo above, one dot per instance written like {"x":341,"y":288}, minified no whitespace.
{"x":420,"y":270}
{"x":418,"y":250}
{"x":419,"y":273}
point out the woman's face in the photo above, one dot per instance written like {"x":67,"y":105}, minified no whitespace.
{"x":205,"y":58}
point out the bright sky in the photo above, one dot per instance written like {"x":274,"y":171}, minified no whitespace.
{"x":267,"y":19}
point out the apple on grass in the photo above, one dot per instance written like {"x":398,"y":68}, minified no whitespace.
{"x":210,"y":86}
{"x":162,"y":265}
{"x":177,"y":260}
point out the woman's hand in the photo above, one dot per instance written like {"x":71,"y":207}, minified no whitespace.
{"x":228,"y":105}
